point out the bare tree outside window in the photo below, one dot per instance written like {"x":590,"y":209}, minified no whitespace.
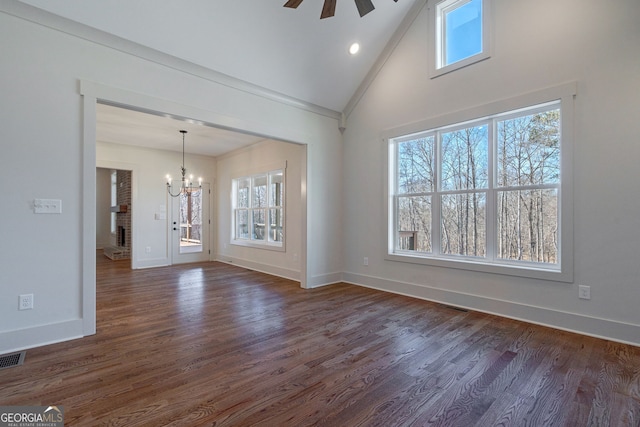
{"x":243,"y":186}
{"x":258,"y":207}
{"x":416,"y":183}
{"x":528,"y":152}
{"x":464,"y":167}
{"x":191,"y":217}
{"x":502,"y":173}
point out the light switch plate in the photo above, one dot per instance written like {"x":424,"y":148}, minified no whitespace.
{"x":47,"y":206}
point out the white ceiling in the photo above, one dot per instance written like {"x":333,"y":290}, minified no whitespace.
{"x":288,"y":51}
{"x":121,"y":126}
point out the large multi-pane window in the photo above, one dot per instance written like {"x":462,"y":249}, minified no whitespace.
{"x":486,"y":191}
{"x":258,"y":208}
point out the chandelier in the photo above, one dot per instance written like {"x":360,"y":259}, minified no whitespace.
{"x":186,"y":185}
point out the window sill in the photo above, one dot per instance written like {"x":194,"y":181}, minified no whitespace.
{"x":270,"y":246}
{"x":437,"y":72}
{"x":509,"y":269}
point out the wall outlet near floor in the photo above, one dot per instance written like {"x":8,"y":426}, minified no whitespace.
{"x":25,"y":302}
{"x":365,"y":261}
{"x":584,"y":292}
{"x":147,"y":250}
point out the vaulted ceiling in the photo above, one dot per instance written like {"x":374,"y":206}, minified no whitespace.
{"x":287,"y":51}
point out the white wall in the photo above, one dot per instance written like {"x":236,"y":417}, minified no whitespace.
{"x":262,"y":157}
{"x":536,"y":45}
{"x":46,"y":129}
{"x":103,"y":208}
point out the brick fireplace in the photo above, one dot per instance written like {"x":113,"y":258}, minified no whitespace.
{"x":122,"y":248}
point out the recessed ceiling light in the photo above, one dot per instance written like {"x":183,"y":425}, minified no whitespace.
{"x":354,"y":48}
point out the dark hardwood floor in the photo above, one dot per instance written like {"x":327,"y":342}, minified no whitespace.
{"x":213,"y":344}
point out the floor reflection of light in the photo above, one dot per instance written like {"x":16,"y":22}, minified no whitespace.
{"x":262,"y":306}
{"x":191,"y":292}
{"x":258,"y":310}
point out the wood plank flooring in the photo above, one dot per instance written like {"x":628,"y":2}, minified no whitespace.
{"x":217,"y":345}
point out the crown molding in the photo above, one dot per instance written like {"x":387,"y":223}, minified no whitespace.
{"x":47,"y":19}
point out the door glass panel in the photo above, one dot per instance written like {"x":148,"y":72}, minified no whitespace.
{"x":191,"y":222}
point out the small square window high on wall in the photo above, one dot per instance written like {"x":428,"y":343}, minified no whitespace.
{"x":459,"y":32}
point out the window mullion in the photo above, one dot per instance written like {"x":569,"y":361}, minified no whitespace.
{"x":492,"y":207}
{"x":267,"y":215}
{"x":393,"y":246}
{"x":436,"y":212}
{"x":530,"y":187}
{"x":250,"y":208}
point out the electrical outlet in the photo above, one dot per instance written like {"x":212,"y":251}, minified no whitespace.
{"x":147,"y":250}
{"x":366,"y":261}
{"x":584,"y":292}
{"x":25,"y":302}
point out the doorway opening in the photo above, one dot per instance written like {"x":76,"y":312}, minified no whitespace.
{"x":114,"y":213}
{"x":191,"y":225}
{"x":122,"y":103}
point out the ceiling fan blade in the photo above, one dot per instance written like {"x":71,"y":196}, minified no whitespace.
{"x":364,"y":7}
{"x":293,"y":3}
{"x":329,"y":9}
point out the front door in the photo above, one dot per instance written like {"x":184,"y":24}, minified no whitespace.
{"x":190,"y":225}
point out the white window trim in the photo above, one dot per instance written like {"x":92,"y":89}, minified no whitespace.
{"x":435,"y":43}
{"x":259,"y":244}
{"x":565,"y":94}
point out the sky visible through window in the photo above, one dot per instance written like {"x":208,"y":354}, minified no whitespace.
{"x":463,"y":31}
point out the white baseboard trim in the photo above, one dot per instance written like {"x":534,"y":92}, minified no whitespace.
{"x":613,"y":330}
{"x":23,"y":339}
{"x":324,"y":280}
{"x":151,"y":263}
{"x":260,"y":267}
